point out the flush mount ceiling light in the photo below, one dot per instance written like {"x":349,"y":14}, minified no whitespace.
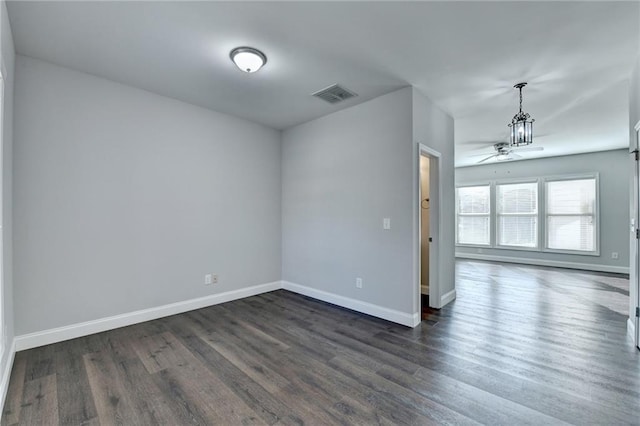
{"x":248,"y":59}
{"x":521,"y":124}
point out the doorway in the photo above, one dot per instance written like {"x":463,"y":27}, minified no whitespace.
{"x":428,"y":238}
{"x":424,"y":229}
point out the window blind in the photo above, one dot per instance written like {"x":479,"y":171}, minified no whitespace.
{"x":517,"y":213}
{"x":473,"y":215}
{"x":570,"y":214}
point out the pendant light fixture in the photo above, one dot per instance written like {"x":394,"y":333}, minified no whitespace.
{"x":521,"y":124}
{"x":248,"y":59}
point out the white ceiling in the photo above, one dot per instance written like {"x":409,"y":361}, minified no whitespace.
{"x":466,"y":56}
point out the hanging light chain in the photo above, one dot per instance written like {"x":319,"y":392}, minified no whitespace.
{"x":520,"y":98}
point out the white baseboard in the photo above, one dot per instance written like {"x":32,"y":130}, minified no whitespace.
{"x":410,"y":320}
{"x":59,"y":334}
{"x":417,"y":319}
{"x":631,"y":329}
{"x":40,"y":338}
{"x":544,"y":262}
{"x":447,"y":298}
{"x":6,"y":373}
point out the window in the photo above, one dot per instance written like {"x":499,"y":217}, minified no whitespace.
{"x":517,"y":214}
{"x":557,"y":214}
{"x":474,"y":215}
{"x":571,"y":215}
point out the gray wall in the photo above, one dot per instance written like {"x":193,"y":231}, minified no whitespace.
{"x":8,"y":60}
{"x":614,"y":194}
{"x":342,"y":174}
{"x":125,"y":199}
{"x":434,"y":128}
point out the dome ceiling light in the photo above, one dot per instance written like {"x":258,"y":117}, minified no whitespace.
{"x":248,"y":59}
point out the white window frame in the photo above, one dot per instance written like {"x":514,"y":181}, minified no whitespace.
{"x":496,"y":218}
{"x":596,"y":213}
{"x":542,"y":243}
{"x":490,"y":244}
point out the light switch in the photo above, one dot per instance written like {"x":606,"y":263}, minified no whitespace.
{"x":386,"y":223}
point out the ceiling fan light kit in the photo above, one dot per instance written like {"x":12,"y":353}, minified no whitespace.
{"x":521,"y":124}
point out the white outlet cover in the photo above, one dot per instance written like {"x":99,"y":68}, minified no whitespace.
{"x":386,"y":223}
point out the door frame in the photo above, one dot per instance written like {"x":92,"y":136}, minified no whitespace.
{"x":634,"y":261}
{"x":435,"y":213}
{"x":3,"y":332}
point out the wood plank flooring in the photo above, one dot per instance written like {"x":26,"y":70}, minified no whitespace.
{"x":520,"y":346}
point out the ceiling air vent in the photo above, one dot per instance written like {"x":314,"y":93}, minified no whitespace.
{"x":334,"y":94}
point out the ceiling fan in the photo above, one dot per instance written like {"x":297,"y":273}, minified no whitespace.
{"x":504,"y":152}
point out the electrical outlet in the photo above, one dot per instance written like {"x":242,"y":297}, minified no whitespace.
{"x":614,"y":255}
{"x":359,"y":282}
{"x":208,"y":279}
{"x":214,"y":279}
{"x":386,"y":223}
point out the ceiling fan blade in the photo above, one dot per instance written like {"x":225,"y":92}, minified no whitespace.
{"x":485,"y":159}
{"x":529,"y":148}
{"x":480,"y":155}
{"x":488,"y":143}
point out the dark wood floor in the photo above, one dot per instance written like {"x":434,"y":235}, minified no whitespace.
{"x":521,"y":345}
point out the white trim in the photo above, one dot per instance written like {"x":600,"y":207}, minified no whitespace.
{"x":596,"y":214}
{"x":410,"y":320}
{"x":476,"y":245}
{"x":448,"y":297}
{"x":3,"y":331}
{"x":59,"y":334}
{"x":635,"y":286}
{"x":6,"y":373}
{"x":544,"y":262}
{"x":631,"y":329}
{"x":471,"y":184}
{"x":541,"y":246}
{"x":428,"y":150}
{"x":435,"y":227}
{"x":496,"y":217}
{"x":417,"y":319}
{"x":517,"y":248}
{"x":515,"y":181}
{"x":489,"y":214}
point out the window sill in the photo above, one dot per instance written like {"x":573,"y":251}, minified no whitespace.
{"x":532,"y":249}
{"x":573,"y":252}
{"x":487,"y":246}
{"x":518,"y":248}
